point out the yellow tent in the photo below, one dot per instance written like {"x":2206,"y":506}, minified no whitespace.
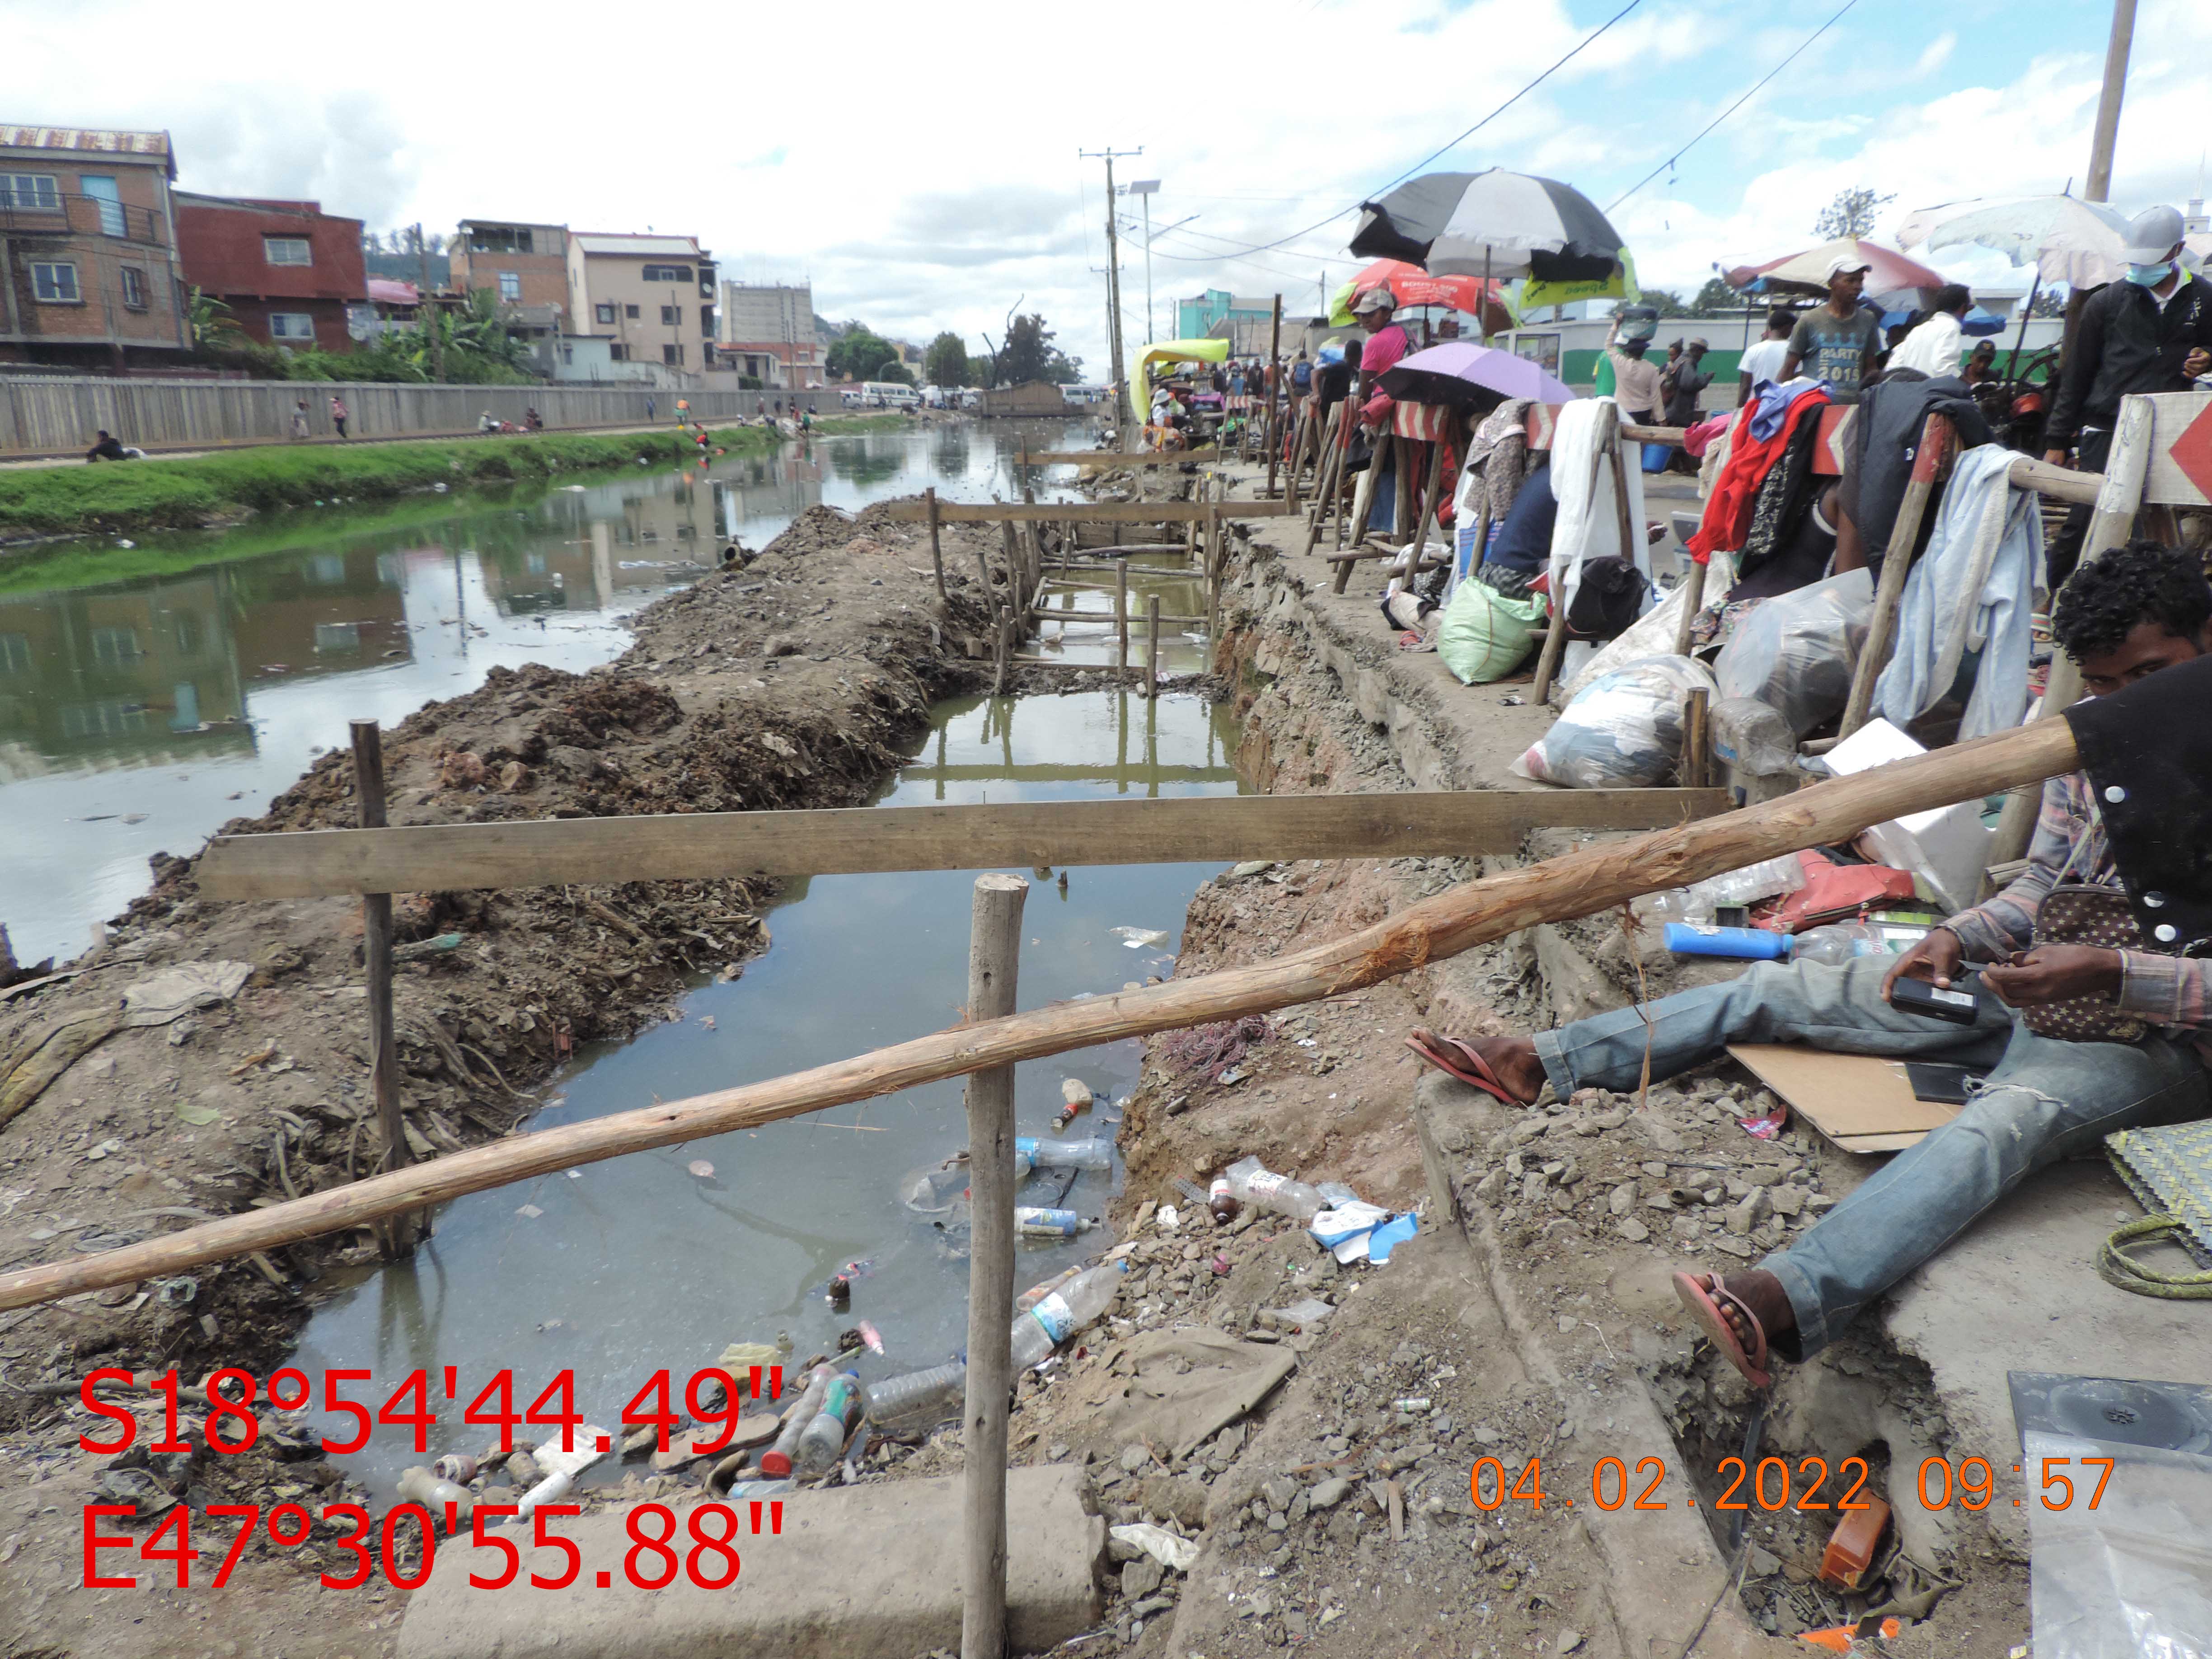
{"x":1171,"y":351}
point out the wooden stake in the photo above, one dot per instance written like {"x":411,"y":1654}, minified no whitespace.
{"x":1607,"y":440}
{"x":936,"y":551}
{"x":983,"y":571}
{"x":1152,"y":646}
{"x":1401,"y":465}
{"x":1581,"y":883}
{"x":1693,"y":601}
{"x":1275,"y":391}
{"x":1896,"y":564}
{"x":1432,"y":497}
{"x":396,"y":1235}
{"x":995,"y":944}
{"x":1121,"y":616}
{"x":1696,"y":768}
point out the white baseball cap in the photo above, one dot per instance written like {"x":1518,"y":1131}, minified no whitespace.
{"x":1844,"y":263}
{"x":1376,"y":299}
{"x":2152,"y":234}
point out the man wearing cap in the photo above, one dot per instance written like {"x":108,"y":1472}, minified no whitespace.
{"x":1682,"y":381}
{"x":1387,"y":342}
{"x":1839,"y":341}
{"x":2151,"y":332}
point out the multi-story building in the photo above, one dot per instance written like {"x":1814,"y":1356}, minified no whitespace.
{"x":651,"y":297}
{"x":522,"y":264}
{"x":88,"y":273}
{"x":287,"y":270}
{"x":768,"y":331}
{"x":1206,"y":315}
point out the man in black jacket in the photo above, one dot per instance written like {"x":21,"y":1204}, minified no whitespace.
{"x":2151,"y":332}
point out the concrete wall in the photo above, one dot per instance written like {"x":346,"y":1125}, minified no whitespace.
{"x":47,"y":414}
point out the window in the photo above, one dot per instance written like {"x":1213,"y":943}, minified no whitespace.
{"x":631,"y":312}
{"x":707,"y":321}
{"x":672,"y":315}
{"x":100,"y":187}
{"x":617,"y":352}
{"x":134,"y":287}
{"x":292,"y":325}
{"x":672,"y":356}
{"x":190,"y":635}
{"x":340,"y":639}
{"x":510,"y":285}
{"x":286,"y":251}
{"x":14,"y":654}
{"x":115,"y":647}
{"x":29,"y":190}
{"x":603,"y":313}
{"x":55,"y":284}
{"x":500,"y":238}
{"x":664,"y":273}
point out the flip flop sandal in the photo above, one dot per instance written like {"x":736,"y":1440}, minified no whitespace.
{"x":1459,"y":1060}
{"x":1701,"y":1294}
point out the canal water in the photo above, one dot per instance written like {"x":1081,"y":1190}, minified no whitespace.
{"x":139,"y":713}
{"x":631,"y":1266}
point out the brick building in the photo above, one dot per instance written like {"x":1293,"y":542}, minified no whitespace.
{"x":89,"y":270}
{"x":521,"y":264}
{"x":287,"y":270}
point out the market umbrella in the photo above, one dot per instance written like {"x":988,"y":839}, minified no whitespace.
{"x":1172,"y":351}
{"x":1893,"y":282}
{"x":1461,"y":373}
{"x":1491,"y":224}
{"x":1409,"y":285}
{"x":2066,"y":238}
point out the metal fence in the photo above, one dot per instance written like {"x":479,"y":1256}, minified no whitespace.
{"x":43,"y":414}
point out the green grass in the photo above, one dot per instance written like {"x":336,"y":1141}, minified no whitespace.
{"x":136,"y":495}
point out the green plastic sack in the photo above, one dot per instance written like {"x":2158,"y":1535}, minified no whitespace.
{"x":1485,"y":636}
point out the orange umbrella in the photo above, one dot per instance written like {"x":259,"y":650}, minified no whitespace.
{"x":1410,"y":285}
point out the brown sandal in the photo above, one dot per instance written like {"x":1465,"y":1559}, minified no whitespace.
{"x":1701,"y":1294}
{"x":1457,"y":1059}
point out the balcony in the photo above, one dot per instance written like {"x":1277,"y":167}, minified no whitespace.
{"x":83,"y":215}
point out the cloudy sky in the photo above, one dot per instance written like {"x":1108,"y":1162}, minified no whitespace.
{"x":920,"y":164}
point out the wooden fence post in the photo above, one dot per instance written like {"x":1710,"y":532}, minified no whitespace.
{"x":1217,"y":562}
{"x":1607,"y":442}
{"x":1896,"y":565}
{"x":1693,"y":600}
{"x":1152,"y":646}
{"x":936,"y":551}
{"x":396,"y":1235}
{"x":995,"y":944}
{"x":1697,"y":767}
{"x":1121,"y":616}
{"x":983,"y":571}
{"x":1274,"y":384}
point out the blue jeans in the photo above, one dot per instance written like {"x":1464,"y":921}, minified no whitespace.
{"x":2043,"y":1100}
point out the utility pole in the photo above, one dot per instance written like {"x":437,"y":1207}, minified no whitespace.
{"x":1146,"y":188}
{"x":1122,"y":417}
{"x":2099,"y":185}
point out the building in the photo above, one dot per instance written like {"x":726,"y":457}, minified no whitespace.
{"x":1200,"y":318}
{"x":88,"y":249}
{"x":651,"y":297}
{"x":768,"y":332}
{"x":521,"y":264}
{"x":287,"y":270}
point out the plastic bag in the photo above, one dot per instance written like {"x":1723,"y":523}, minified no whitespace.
{"x":2131,"y":1575}
{"x":1485,"y":636}
{"x":1653,"y":635}
{"x":1623,"y":730}
{"x":1794,"y":653}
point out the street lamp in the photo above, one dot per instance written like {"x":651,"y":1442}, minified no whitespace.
{"x":1146,"y":188}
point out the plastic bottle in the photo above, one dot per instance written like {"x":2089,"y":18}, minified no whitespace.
{"x":776,"y":1460}
{"x":1222,"y":1201}
{"x":1335,"y":1193}
{"x":1679,"y":905}
{"x":1037,"y":1293}
{"x":1250,"y":1182}
{"x":1038,"y":1222}
{"x":1838,"y":944}
{"x":419,"y":1485}
{"x":1063,"y":1313}
{"x":1753,"y":944}
{"x":1768,"y":878}
{"x":824,"y":1437}
{"x":742,"y":1489}
{"x":919,"y":1396}
{"x":1095,"y":1153}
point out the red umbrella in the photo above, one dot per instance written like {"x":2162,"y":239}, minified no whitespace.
{"x":1409,"y":285}
{"x":1889,"y":273}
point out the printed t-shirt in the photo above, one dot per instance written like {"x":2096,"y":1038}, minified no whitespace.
{"x":1834,"y":348}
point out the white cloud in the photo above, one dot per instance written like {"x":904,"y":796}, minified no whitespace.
{"x":1934,"y":55}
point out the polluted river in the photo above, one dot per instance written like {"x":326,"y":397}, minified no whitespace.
{"x":143,"y":714}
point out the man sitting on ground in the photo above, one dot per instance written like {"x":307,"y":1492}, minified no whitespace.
{"x":107,"y":449}
{"x":2139,"y":609}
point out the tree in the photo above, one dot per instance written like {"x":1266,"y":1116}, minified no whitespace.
{"x":1061,"y":369}
{"x":892,"y":369}
{"x":858,"y":353}
{"x":1717,"y":299}
{"x":945,"y":362}
{"x":1028,"y":354}
{"x":2050,"y":301}
{"x":1851,"y":214}
{"x":979,"y":373}
{"x":1670,"y":304}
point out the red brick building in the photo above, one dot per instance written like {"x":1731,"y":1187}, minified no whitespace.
{"x":287,"y":270}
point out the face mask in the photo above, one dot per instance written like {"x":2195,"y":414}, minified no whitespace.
{"x":2150,"y":276}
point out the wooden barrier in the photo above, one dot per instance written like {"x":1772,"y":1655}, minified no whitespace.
{"x":1113,"y":457}
{"x":849,"y":841}
{"x":913,"y":512}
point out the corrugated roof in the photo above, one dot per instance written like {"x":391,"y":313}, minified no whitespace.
{"x":600,"y":243}
{"x":152,"y":145}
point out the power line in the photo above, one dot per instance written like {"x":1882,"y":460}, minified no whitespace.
{"x":1732,"y":108}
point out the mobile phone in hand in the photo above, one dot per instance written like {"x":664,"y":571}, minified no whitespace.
{"x":1917,"y":996}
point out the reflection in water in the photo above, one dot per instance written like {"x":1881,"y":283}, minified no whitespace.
{"x":139,"y":716}
{"x":622,"y":1267}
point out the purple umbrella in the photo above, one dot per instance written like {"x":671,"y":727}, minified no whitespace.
{"x":1460,"y":373}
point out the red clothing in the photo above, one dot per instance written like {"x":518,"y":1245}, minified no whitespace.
{"x":1727,"y":518}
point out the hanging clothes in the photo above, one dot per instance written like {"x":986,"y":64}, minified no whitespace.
{"x":1886,"y":437}
{"x":1972,"y":592}
{"x":1727,"y":522}
{"x":1784,"y":496}
{"x":1589,"y":522}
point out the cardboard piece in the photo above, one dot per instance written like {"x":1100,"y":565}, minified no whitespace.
{"x":1862,"y":1103}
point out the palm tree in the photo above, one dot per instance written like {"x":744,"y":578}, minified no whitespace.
{"x":210,"y":320}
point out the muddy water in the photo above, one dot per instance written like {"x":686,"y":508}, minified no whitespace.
{"x":138,"y":715}
{"x":637,"y":1264}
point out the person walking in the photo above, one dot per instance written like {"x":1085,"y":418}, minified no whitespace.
{"x":299,"y":422}
{"x":338,"y":416}
{"x":650,"y":406}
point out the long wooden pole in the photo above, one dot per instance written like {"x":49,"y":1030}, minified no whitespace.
{"x":1151,"y":645}
{"x":936,"y":550}
{"x":395,"y":1235}
{"x":1576,"y":884}
{"x":1121,"y":617}
{"x":994,"y":945}
{"x":1896,"y":564}
{"x":1275,"y":390}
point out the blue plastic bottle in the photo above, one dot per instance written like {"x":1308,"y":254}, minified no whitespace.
{"x":1687,"y":939}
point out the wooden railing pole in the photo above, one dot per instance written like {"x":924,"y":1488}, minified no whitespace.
{"x":395,"y":1235}
{"x":1152,"y":646}
{"x":1275,"y":389}
{"x":1896,"y":565}
{"x":936,"y":548}
{"x":994,"y":942}
{"x":1121,"y":616}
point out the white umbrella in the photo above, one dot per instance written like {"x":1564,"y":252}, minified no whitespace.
{"x":2066,"y":238}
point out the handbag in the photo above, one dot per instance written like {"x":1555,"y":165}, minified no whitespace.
{"x":2083,"y":912}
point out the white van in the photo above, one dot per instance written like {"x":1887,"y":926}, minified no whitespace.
{"x":889,"y":394}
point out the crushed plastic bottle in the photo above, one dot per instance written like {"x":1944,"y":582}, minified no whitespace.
{"x":742,"y":1491}
{"x":1837,"y":943}
{"x":1095,"y":1153}
{"x":935,"y":1188}
{"x":824,"y":1437}
{"x":1037,"y":1293}
{"x":1251,"y":1182}
{"x":1768,"y":878}
{"x":1061,"y":1315}
{"x":919,"y":1397}
{"x":776,"y":1460}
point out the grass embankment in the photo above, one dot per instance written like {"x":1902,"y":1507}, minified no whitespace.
{"x":132,"y":496}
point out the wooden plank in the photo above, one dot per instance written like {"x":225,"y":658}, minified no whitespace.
{"x":916,"y":511}
{"x":2165,"y":482}
{"x":1582,"y":884}
{"x":1114,"y":457}
{"x":847,"y":841}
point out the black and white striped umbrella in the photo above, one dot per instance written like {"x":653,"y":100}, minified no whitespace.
{"x":1496,"y":223}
